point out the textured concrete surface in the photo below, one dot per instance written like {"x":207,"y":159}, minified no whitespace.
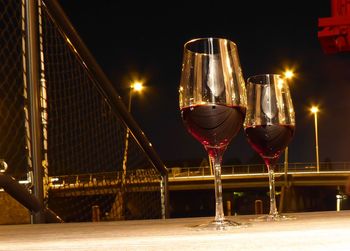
{"x":309,"y":231}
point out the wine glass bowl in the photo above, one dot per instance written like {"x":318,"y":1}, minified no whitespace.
{"x":212,"y":101}
{"x":269,"y":126}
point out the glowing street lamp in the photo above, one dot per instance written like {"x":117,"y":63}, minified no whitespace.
{"x":315,"y":110}
{"x":137,"y":87}
{"x":288,"y":75}
{"x":134,"y":87}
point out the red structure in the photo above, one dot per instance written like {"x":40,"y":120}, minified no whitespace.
{"x":334,"y":33}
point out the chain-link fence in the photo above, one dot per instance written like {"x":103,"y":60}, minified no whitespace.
{"x":13,"y":93}
{"x":91,"y":169}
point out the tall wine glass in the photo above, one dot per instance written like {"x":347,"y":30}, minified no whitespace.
{"x":269,"y":126}
{"x":212,"y":98}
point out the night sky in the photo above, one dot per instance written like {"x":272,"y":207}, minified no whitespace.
{"x":135,"y":40}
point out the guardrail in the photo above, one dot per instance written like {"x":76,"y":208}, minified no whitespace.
{"x":136,"y":176}
{"x":175,"y":172}
{"x":103,"y":179}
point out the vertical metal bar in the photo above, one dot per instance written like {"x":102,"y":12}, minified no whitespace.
{"x":285,"y":166}
{"x":43,"y":109}
{"x":25,"y":95}
{"x":32,"y":60}
{"x":164,"y":196}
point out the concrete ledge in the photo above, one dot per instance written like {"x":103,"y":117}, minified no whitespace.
{"x":310,"y":231}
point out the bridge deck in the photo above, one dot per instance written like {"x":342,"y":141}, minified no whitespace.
{"x":310,"y":231}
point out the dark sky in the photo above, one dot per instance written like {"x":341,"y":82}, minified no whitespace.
{"x":135,"y":39}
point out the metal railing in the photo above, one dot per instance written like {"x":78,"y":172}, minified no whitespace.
{"x":139,"y":175}
{"x":77,"y":181}
{"x":176,"y":172}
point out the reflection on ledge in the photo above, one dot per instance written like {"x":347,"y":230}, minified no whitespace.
{"x":310,"y":231}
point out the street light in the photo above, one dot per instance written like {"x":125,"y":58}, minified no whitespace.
{"x":315,"y":110}
{"x":137,"y":87}
{"x":288,"y":74}
{"x":134,"y":87}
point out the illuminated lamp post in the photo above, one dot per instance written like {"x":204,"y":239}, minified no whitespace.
{"x":288,"y":75}
{"x":134,"y":87}
{"x":315,"y":110}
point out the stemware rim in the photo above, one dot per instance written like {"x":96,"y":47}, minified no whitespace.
{"x":185,"y":46}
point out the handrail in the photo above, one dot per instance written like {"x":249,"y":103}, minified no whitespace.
{"x":28,"y":200}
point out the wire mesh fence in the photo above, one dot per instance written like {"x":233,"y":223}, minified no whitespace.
{"x":13,"y":98}
{"x":89,"y":164}
{"x":86,"y":137}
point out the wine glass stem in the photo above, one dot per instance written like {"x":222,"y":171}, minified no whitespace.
{"x":216,"y":164}
{"x":273,"y":208}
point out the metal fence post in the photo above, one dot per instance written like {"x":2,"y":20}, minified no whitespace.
{"x":32,"y":61}
{"x":164,"y":193}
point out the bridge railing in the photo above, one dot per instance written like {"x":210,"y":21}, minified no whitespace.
{"x":103,"y":179}
{"x":137,"y":175}
{"x":175,"y":172}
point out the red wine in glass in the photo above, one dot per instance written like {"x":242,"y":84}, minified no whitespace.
{"x":212,"y":101}
{"x":213,"y":125}
{"x":269,"y":126}
{"x":269,"y":140}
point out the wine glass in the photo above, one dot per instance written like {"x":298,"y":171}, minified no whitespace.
{"x":213,"y":100}
{"x":269,"y":126}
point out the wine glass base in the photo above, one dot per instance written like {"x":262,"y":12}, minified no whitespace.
{"x":220,"y":225}
{"x":274,"y":217}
